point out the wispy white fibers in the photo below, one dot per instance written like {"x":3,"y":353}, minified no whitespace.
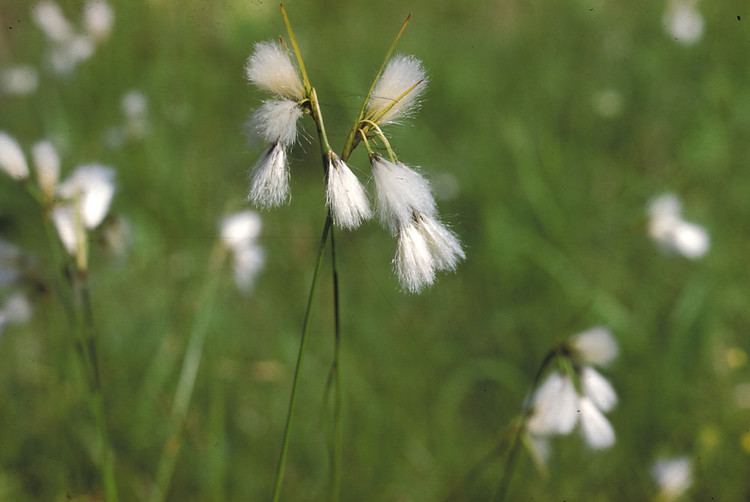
{"x":12,"y":159}
{"x":684,"y":21}
{"x":595,"y":428}
{"x":444,"y":245}
{"x":414,"y":264}
{"x":400,"y":74}
{"x":47,"y":166}
{"x":239,"y":233}
{"x":401,"y":191}
{"x":672,"y":232}
{"x":598,"y":389}
{"x":595,"y":346}
{"x":20,"y":80}
{"x":98,"y":19}
{"x":345,"y":195}
{"x":90,"y":188}
{"x":49,"y":17}
{"x":554,"y":407}
{"x":269,"y":181}
{"x":276,"y":121}
{"x":269,"y":67}
{"x":673,"y":476}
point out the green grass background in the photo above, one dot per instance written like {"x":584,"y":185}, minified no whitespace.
{"x":550,"y":205}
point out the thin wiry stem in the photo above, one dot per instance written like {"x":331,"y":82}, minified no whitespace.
{"x":296,"y":49}
{"x":383,"y":138}
{"x":188,"y":375}
{"x":336,"y":368}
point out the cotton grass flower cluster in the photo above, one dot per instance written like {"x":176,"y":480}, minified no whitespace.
{"x":683,"y":21}
{"x":68,"y":46}
{"x":673,"y":477}
{"x":577,"y":394}
{"x":239,"y":234}
{"x":672,"y":233}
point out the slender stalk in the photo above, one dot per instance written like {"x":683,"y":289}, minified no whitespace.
{"x":383,"y":138}
{"x":511,"y":460}
{"x":296,"y":49}
{"x":281,"y":466}
{"x":188,"y":375}
{"x":336,"y":368}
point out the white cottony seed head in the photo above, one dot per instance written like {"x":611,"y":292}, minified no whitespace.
{"x":239,"y":229}
{"x":247,"y":261}
{"x":598,"y":389}
{"x":47,"y":165}
{"x":414,"y":263}
{"x":595,"y":346}
{"x":401,"y":192}
{"x":345,"y":195}
{"x":276,"y":121}
{"x":12,"y":159}
{"x":674,"y":476}
{"x":49,"y":17}
{"x":270,"y":68}
{"x":98,"y":18}
{"x":595,"y":428}
{"x":554,"y":407}
{"x":444,"y":245}
{"x":400,"y":74}
{"x":269,"y":182}
{"x":684,"y":21}
{"x":667,"y":227}
{"x":690,"y":240}
{"x":20,"y":80}
{"x":90,"y":189}
{"x":69,"y":229}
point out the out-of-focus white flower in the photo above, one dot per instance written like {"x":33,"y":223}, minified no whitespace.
{"x":390,"y":100}
{"x":98,"y":19}
{"x":49,"y":17}
{"x":65,"y":57}
{"x":70,"y":229}
{"x":595,"y":346}
{"x":672,"y":233}
{"x":20,"y":80}
{"x":117,"y":236}
{"x":345,"y":195}
{"x":596,"y":429}
{"x":539,"y":449}
{"x":47,"y":165}
{"x":684,"y":21}
{"x":598,"y":389}
{"x":90,"y":188}
{"x":673,"y":476}
{"x":608,"y":103}
{"x":10,"y":257}
{"x":134,"y":105}
{"x":12,"y":159}
{"x":17,"y":309}
{"x":276,"y":121}
{"x":239,"y":233}
{"x":270,"y":68}
{"x":554,"y":407}
{"x":414,"y":264}
{"x":401,"y":192}
{"x":269,"y":181}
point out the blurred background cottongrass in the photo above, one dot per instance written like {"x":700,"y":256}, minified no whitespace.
{"x":548,"y":130}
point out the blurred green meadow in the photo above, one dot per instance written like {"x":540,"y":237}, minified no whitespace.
{"x":546,"y":129}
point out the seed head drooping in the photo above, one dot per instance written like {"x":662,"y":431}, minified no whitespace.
{"x":345,"y":195}
{"x":276,"y":121}
{"x":270,"y":68}
{"x":12,"y":159}
{"x":269,"y":182}
{"x":400,"y":74}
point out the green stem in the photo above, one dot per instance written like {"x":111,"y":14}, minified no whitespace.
{"x":281,"y":466}
{"x":336,"y":369}
{"x":188,"y":375}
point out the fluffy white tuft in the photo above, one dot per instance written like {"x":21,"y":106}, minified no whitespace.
{"x":66,"y":222}
{"x":444,"y":245}
{"x":98,"y":19}
{"x":595,"y":428}
{"x":49,"y":17}
{"x":345,"y":196}
{"x":276,"y":121}
{"x":554,"y":407}
{"x":269,"y":182}
{"x":270,"y":68}
{"x":414,"y":263}
{"x":239,"y":229}
{"x":47,"y":165}
{"x":12,"y":159}
{"x":598,"y":389}
{"x":90,"y":188}
{"x":401,"y":192}
{"x":247,"y":262}
{"x":674,"y":476}
{"x":684,"y":22}
{"x":667,"y":227}
{"x":401,"y":73}
{"x":595,"y":346}
{"x":690,"y":240}
{"x":20,"y":80}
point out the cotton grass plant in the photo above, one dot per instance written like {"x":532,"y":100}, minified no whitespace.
{"x":405,"y":203}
